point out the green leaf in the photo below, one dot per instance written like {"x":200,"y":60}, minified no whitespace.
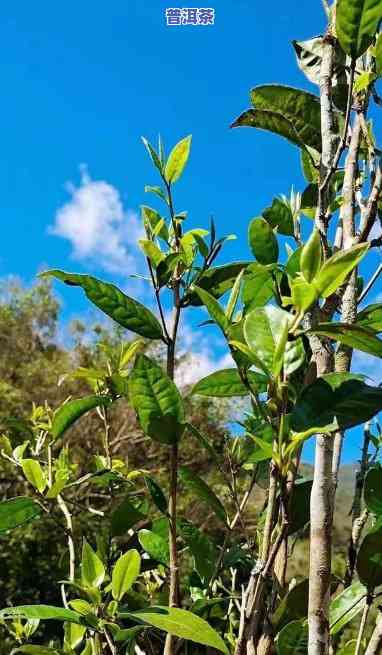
{"x":311,"y":254}
{"x":158,"y":191}
{"x":234,"y":297}
{"x":153,"y":155}
{"x":280,"y":216}
{"x":293,"y":639}
{"x":17,"y":511}
{"x":309,"y":167}
{"x":227,"y":383}
{"x":152,"y":252}
{"x":125,"y":572}
{"x":363,"y":81}
{"x":157,"y":494}
{"x":81,"y":606}
{"x":177,"y":160}
{"x":345,"y":606}
{"x":373,"y":490}
{"x":74,"y":635}
{"x":124,"y":518}
{"x":92,"y":568}
{"x":304,"y":294}
{"x":216,"y":281}
{"x":263,"y":329}
{"x":293,"y":606}
{"x":180,"y":623}
{"x":356,"y":24}
{"x":155,"y":545}
{"x":336,"y":269}
{"x":335,"y":401}
{"x":293,"y":267}
{"x":246,"y":357}
{"x":261,"y":448}
{"x":203,"y":550}
{"x":309,"y":201}
{"x":156,"y":400}
{"x":34,"y":474}
{"x":300,"y":509}
{"x":271,"y":121}
{"x":352,"y":335}
{"x":128,"y":635}
{"x":202,"y":491}
{"x":68,"y":413}
{"x":43,"y":612}
{"x":166,"y":267}
{"x":154,"y":222}
{"x":371,"y":317}
{"x":349,"y":648}
{"x":36,"y":650}
{"x":126,"y":311}
{"x":300,"y":108}
{"x":369,"y":559}
{"x":258,"y":286}
{"x":214,"y":309}
{"x":263,"y":241}
{"x":59,"y":484}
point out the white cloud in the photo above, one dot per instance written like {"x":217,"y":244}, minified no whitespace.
{"x":98,"y":227}
{"x":367,"y":365}
{"x":376,"y":230}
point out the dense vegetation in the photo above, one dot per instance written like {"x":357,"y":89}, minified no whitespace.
{"x":144,"y":526}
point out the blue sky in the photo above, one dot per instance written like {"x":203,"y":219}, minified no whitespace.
{"x":81,"y":82}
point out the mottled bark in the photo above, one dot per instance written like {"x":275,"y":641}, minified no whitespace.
{"x":321,"y":497}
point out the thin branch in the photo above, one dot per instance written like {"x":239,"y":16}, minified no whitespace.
{"x":358,"y":519}
{"x":375,"y":643}
{"x":370,"y":213}
{"x":326,"y":7}
{"x":341,"y":147}
{"x":370,"y":284}
{"x":365,"y":614}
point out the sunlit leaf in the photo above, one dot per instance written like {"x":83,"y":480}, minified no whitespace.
{"x":17,"y":511}
{"x":125,"y":573}
{"x":216,"y":280}
{"x":293,"y":639}
{"x":71,"y":411}
{"x":155,"y":545}
{"x":263,"y":241}
{"x":371,"y":317}
{"x":180,"y":623}
{"x":177,"y":160}
{"x":34,"y":474}
{"x":227,"y":383}
{"x":345,"y":606}
{"x":92,"y":568}
{"x":356,"y":24}
{"x":156,"y":400}
{"x":43,"y":612}
{"x":353,"y":335}
{"x":126,"y":311}
{"x":336,"y":401}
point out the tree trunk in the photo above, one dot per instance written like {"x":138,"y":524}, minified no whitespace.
{"x":321,"y":514}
